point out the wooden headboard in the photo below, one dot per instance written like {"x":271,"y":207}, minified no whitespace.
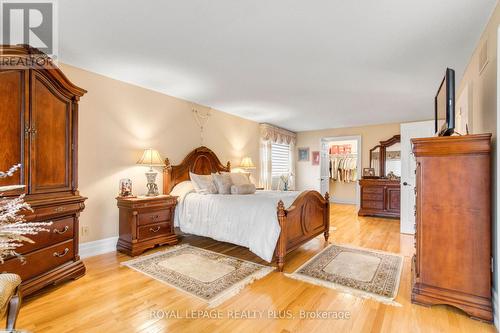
{"x":201,"y":161}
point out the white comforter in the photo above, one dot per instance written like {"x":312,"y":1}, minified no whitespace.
{"x":246,"y":220}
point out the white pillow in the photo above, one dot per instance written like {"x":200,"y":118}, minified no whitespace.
{"x":222,"y":182}
{"x":240,"y":178}
{"x":243,"y":189}
{"x":182,"y":189}
{"x":203,"y":184}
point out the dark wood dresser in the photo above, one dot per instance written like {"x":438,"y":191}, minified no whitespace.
{"x":380,"y":197}
{"x":39,"y":112}
{"x":452,"y":264}
{"x":146,"y":222}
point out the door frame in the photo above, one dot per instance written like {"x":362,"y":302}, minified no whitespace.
{"x":358,"y":139}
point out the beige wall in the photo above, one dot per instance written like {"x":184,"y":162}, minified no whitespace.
{"x":118,"y":120}
{"x":483,"y":115}
{"x":308,"y":175}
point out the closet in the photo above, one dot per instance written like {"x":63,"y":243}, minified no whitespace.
{"x":343,"y":171}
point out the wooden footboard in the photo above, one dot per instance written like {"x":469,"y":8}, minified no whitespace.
{"x":306,"y":218}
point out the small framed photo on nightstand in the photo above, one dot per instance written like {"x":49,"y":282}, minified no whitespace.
{"x":125,"y":188}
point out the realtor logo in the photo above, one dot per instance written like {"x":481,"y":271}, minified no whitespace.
{"x":30,"y":22}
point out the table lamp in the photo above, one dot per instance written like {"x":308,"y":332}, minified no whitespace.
{"x":151,"y":158}
{"x":246,"y":163}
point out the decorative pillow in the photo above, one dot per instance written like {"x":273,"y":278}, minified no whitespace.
{"x":203,"y":184}
{"x":222,"y":182}
{"x":182,"y":189}
{"x":243,"y":189}
{"x":240,"y":178}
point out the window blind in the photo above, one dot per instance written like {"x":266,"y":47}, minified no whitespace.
{"x":280,"y":159}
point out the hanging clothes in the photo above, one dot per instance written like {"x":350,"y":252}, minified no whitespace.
{"x":343,"y":168}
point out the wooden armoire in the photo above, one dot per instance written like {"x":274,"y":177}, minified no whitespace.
{"x":452,"y":264}
{"x":39,"y":119}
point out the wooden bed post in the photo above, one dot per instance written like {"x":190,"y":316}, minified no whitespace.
{"x":281,"y":248}
{"x":167,"y":169}
{"x":327,"y":217}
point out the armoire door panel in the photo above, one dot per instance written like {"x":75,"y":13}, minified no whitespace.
{"x":50,"y":138}
{"x":13,"y":86}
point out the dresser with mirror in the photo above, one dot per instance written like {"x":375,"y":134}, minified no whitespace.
{"x":380,"y":184}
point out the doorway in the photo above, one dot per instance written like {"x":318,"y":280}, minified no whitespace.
{"x":341,"y":168}
{"x":409,"y":131}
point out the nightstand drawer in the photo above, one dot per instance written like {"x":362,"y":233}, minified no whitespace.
{"x":153,"y":230}
{"x":154,"y":217}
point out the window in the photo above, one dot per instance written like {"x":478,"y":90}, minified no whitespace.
{"x":280,"y":160}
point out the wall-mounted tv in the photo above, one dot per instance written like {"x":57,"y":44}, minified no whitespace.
{"x":445,"y":105}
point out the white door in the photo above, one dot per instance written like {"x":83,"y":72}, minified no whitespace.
{"x":409,"y":131}
{"x":325,"y":168}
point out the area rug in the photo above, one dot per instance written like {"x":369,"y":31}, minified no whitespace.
{"x":358,"y":271}
{"x":209,"y":276}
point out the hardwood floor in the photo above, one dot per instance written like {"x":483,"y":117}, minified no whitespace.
{"x":112,"y":298}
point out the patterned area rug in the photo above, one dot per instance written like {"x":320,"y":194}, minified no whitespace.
{"x":361,"y":272}
{"x":207,"y":275}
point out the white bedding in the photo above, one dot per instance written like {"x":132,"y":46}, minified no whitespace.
{"x":246,"y":220}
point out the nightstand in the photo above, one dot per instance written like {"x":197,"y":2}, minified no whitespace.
{"x":145,"y":222}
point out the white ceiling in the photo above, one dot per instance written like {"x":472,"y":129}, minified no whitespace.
{"x":298,"y":64}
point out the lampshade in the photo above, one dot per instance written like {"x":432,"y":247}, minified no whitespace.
{"x":246,"y":163}
{"x":151,"y":157}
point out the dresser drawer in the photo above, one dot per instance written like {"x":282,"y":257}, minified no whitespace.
{"x":154,"y":217}
{"x":153,"y":230}
{"x":372,"y":190}
{"x":372,"y":204}
{"x":59,"y":231}
{"x":40,"y":261}
{"x":373,"y":196}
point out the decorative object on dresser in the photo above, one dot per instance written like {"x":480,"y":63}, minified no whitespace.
{"x":151,"y":158}
{"x":452,"y":264}
{"x":39,"y":110}
{"x":145,"y":222}
{"x":307,"y":217}
{"x":381,"y":191}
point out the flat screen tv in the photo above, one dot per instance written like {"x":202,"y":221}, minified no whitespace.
{"x":445,"y":105}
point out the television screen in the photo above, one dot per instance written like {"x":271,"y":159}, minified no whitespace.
{"x":441,"y":106}
{"x":445,"y":105}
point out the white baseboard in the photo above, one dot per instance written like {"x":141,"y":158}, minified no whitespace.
{"x":343,"y":201}
{"x":90,"y":249}
{"x":494,"y":300}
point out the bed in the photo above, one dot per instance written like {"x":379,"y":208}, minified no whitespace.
{"x":270,"y":223}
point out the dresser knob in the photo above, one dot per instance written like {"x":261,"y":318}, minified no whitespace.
{"x":62,"y":231}
{"x":60,"y":255}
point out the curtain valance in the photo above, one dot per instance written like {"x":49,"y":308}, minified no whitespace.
{"x":277,"y":135}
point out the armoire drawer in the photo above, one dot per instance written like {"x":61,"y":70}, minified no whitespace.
{"x":60,"y":231}
{"x":154,"y":217}
{"x":46,"y":213}
{"x":40,"y":261}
